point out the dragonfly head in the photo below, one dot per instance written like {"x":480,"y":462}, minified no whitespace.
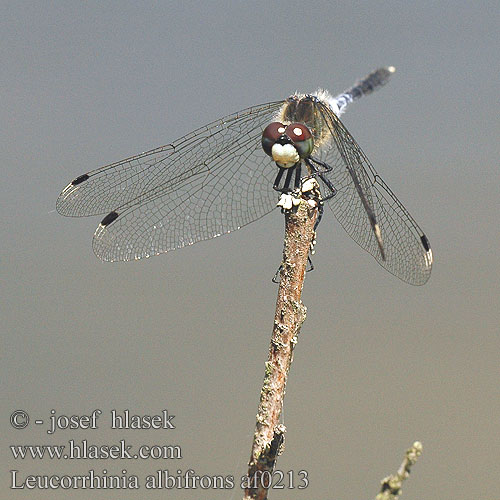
{"x":287,"y":144}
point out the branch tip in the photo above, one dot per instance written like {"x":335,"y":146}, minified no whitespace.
{"x":391,"y":485}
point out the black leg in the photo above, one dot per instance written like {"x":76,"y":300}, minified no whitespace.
{"x":298,"y":171}
{"x":311,"y":265}
{"x":288,"y":180}
{"x":311,"y":163}
{"x":320,"y":214}
{"x":276,"y":278}
{"x":279,"y":175}
{"x":321,"y":164}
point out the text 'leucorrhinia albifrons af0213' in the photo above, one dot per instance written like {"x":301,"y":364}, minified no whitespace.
{"x":221,"y":177}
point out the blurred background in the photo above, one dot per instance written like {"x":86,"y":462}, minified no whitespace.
{"x":379,"y":363}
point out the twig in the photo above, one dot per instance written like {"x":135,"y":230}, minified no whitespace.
{"x":391,"y":485}
{"x":290,"y":314}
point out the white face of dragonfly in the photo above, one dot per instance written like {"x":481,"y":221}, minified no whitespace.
{"x":287,"y":144}
{"x":285,"y":155}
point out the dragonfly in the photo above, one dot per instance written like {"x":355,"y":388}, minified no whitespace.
{"x":223,"y":176}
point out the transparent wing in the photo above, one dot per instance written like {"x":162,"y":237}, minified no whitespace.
{"x":207,"y":183}
{"x":360,"y":190}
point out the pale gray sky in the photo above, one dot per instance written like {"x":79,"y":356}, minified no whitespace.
{"x":379,"y":363}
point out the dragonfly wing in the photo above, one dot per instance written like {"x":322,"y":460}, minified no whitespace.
{"x":364,"y":199}
{"x":210,"y":182}
{"x":112,"y":186}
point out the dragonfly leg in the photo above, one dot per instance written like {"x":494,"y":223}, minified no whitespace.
{"x":310,"y":264}
{"x":327,"y":167}
{"x":290,"y":196}
{"x":285,"y":188}
{"x":315,"y":172}
{"x":279,"y":175}
{"x":298,"y":171}
{"x":276,"y":277}
{"x":320,"y":214}
{"x":288,"y":180}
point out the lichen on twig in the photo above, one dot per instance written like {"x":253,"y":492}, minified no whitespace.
{"x":391,"y":485}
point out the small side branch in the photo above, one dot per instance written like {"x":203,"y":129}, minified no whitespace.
{"x":391,"y":485}
{"x":290,"y":314}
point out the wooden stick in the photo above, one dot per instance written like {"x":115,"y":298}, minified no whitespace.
{"x":290,"y":314}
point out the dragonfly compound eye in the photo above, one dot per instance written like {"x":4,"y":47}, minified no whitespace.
{"x":270,"y":135}
{"x":301,"y":137}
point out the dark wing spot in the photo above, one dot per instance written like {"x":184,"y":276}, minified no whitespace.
{"x":109,"y":218}
{"x":80,"y":179}
{"x":425,"y":242}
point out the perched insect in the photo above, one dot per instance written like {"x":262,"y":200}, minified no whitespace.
{"x":219,"y":178}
